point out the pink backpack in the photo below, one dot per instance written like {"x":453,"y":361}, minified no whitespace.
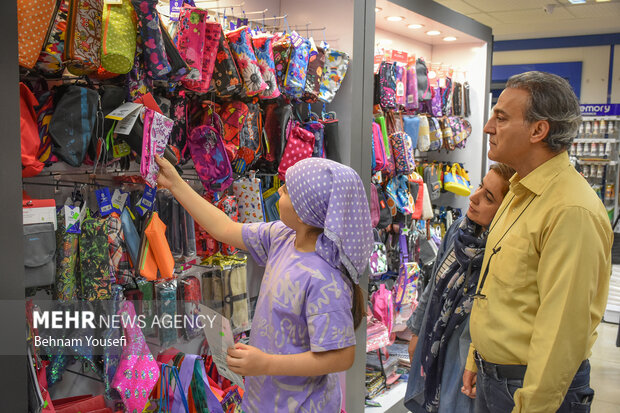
{"x":383,"y":306}
{"x":375,"y":213}
{"x":299,"y":145}
{"x":378,"y":150}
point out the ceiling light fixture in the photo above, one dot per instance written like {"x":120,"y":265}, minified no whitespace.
{"x":602,"y":1}
{"x":449,"y":39}
{"x":415,"y":26}
{"x":378,"y":9}
{"x":395,"y":18}
{"x":577,"y":1}
{"x":433,"y":32}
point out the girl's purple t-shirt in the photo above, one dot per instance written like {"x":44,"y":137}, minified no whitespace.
{"x":304,"y":304}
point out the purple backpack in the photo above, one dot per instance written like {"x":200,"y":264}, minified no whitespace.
{"x":209,"y":154}
{"x":378,"y":150}
{"x":436,"y":101}
{"x":411,"y":93}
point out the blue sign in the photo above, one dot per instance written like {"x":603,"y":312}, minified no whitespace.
{"x":601,"y":109}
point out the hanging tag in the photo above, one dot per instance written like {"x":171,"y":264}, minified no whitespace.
{"x":313,"y":49}
{"x":120,"y":149}
{"x":83,"y":210}
{"x":119,"y":199}
{"x":104,"y":201}
{"x":296,"y":39}
{"x":148,"y":198}
{"x":72,"y":219}
{"x":175,"y":9}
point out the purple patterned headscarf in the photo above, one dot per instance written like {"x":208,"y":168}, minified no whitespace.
{"x":329,"y":195}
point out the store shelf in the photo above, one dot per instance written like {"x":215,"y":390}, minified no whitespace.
{"x":391,"y":401}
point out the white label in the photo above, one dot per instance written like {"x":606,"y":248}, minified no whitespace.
{"x":124,"y":110}
{"x":39,"y":215}
{"x":124,"y":126}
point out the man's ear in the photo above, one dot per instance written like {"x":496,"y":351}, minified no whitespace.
{"x":539,"y":130}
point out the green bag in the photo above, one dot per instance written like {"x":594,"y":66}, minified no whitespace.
{"x":118,"y":45}
{"x":95,"y":260}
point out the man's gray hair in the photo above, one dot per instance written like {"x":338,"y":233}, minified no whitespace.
{"x":551,"y":99}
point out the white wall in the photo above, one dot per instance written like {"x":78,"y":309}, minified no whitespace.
{"x":595,"y":70}
{"x":403,"y":44}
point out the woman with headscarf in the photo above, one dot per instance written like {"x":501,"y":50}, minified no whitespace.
{"x":440,"y":323}
{"x":309,"y":302}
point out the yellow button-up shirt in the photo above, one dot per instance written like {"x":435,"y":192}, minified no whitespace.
{"x":547,"y":287}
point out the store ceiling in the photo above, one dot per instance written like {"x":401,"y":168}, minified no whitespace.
{"x":527,"y":19}
{"x":390,"y":9}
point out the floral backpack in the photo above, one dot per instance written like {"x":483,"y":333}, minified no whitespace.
{"x":281,"y":53}
{"x":226,"y":79}
{"x":240,"y":42}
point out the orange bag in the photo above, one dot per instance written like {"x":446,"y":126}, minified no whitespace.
{"x":147,"y":265}
{"x":34,"y":18}
{"x":156,"y":234}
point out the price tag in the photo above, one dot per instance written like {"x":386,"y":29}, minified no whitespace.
{"x":104,"y":201}
{"x":72,"y":219}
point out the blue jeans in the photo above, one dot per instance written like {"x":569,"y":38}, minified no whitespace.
{"x":495,"y":394}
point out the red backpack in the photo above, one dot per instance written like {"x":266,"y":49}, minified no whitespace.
{"x":31,"y":166}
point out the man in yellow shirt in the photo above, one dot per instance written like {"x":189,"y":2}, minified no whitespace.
{"x":545,"y":274}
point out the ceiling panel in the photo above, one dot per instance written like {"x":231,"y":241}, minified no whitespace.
{"x":596,"y":10}
{"x":529,"y":16}
{"x":461,"y":6}
{"x":501,"y":5}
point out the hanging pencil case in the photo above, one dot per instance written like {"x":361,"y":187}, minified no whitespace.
{"x":190,"y":39}
{"x":240,"y":42}
{"x":50,"y":59}
{"x":211,"y":40}
{"x":281,"y":53}
{"x":33,"y":21}
{"x":336,"y":64}
{"x":118,"y":45}
{"x":264,"y":54}
{"x":295,"y":81}
{"x":314,"y":75}
{"x":83,"y":37}
{"x":154,"y":49}
{"x":226,"y":79}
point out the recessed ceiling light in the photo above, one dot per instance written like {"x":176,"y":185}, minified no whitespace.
{"x":449,"y":39}
{"x":433,"y":32}
{"x":378,"y":9}
{"x":415,"y":26}
{"x":395,"y":18}
{"x":602,"y":1}
{"x":576,"y":1}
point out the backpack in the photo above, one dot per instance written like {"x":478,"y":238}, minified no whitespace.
{"x":299,"y":145}
{"x":264,"y":54}
{"x":403,"y":152}
{"x":378,"y":258}
{"x":447,"y":134}
{"x":30,"y":142}
{"x":210,"y":42}
{"x":295,"y":81}
{"x":390,"y":168}
{"x":387,"y":86}
{"x":72,"y":124}
{"x":424,"y":91}
{"x":385,"y":216}
{"x":431,"y":178}
{"x":226,"y":79}
{"x":383,"y":306}
{"x":400,"y":75}
{"x":33,"y":22}
{"x":44,"y":116}
{"x":424,"y":139}
{"x":436,"y":101}
{"x":250,"y":139}
{"x":240,"y":42}
{"x":411,"y":94}
{"x":436,"y":136}
{"x":210,"y":155}
{"x":281,"y":53}
{"x":314,"y":75}
{"x":272,"y":135}
{"x":378,"y":150}
{"x":50,"y":60}
{"x":336,"y":65}
{"x":411,"y":126}
{"x":233,"y":115}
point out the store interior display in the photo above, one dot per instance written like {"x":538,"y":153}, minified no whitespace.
{"x":232,"y":101}
{"x":427,"y":135}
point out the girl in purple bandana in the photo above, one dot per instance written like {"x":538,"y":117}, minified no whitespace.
{"x":309,"y":302}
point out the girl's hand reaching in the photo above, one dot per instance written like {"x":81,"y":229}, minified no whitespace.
{"x":247,"y":360}
{"x":168,"y":176}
